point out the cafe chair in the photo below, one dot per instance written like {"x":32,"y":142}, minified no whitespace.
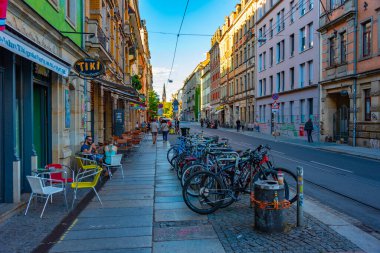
{"x":115,"y":162}
{"x":45,"y":188}
{"x":61,"y":173}
{"x":80,"y":182}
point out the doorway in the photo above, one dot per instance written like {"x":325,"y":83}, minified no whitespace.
{"x":341,"y":117}
{"x":40,"y":124}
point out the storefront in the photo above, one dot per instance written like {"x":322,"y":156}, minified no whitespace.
{"x":25,"y":132}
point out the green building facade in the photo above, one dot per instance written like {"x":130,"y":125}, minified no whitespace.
{"x":65,"y":16}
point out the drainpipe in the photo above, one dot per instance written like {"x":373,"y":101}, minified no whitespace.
{"x":355,"y":70}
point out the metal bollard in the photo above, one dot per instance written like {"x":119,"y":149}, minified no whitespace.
{"x":300,"y":196}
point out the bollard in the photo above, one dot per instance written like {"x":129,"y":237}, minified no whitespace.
{"x":269,"y":197}
{"x":300,"y":196}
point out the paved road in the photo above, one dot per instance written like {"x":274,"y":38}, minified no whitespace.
{"x":346,"y":183}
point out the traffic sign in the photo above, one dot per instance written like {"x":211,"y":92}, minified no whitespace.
{"x":275,"y":96}
{"x":275,"y":105}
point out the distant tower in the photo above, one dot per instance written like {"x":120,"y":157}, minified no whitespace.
{"x":164,"y":95}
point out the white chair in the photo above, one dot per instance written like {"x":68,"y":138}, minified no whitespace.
{"x":115,"y":162}
{"x":40,"y":188}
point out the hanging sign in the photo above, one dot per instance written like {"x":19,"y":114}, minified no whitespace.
{"x":3,"y":13}
{"x":88,"y":67}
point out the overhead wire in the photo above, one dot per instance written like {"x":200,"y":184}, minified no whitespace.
{"x":176,"y":43}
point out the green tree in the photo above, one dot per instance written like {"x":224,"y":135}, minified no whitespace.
{"x":136,"y":83}
{"x":153,"y":103}
{"x":168,"y":110}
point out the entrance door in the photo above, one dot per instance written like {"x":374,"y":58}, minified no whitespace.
{"x":341,"y":120}
{"x":1,"y":138}
{"x":40,"y":124}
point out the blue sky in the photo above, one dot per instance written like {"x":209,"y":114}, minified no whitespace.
{"x":202,"y":16}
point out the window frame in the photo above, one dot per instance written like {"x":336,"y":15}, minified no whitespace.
{"x":332,"y":51}
{"x":71,"y":20}
{"x":343,"y":47}
{"x":362,"y":36}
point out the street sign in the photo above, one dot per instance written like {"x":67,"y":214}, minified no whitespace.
{"x":275,"y":105}
{"x":89,"y":67}
{"x":275,"y":96}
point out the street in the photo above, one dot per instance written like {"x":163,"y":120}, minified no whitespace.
{"x":343,"y":182}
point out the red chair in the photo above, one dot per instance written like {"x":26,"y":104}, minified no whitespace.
{"x":57,"y":175}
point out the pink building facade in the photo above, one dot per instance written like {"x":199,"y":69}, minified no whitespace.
{"x":287,"y":64}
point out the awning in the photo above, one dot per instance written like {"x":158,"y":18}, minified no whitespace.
{"x":23,"y":48}
{"x":125,"y":92}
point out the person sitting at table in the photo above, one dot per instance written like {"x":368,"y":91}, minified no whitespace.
{"x":90,"y":148}
{"x":109,"y":150}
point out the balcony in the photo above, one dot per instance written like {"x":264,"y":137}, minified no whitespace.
{"x":98,"y":45}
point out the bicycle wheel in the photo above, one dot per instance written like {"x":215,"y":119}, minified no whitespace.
{"x":189,"y":171}
{"x":171,"y":153}
{"x":207,"y":192}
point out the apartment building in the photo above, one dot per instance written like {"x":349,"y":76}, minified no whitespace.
{"x":287,"y":65}
{"x":205,"y":90}
{"x":350,"y":82}
{"x":215,"y":73}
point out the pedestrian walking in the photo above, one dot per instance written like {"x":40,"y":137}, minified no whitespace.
{"x":242,"y":126}
{"x":309,"y":129}
{"x":154,"y":130}
{"x":202,"y":122}
{"x":238,"y":125}
{"x":165,"y":130}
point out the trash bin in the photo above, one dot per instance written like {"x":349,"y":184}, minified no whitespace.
{"x":185,"y":131}
{"x":270,"y":205}
{"x":301,"y":131}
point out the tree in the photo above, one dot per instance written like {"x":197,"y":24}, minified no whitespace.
{"x":136,"y":83}
{"x":153,"y":103}
{"x":168,"y":109}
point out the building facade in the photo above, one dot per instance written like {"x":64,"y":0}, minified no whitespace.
{"x":215,"y":73}
{"x":46,"y":108}
{"x":287,"y":65}
{"x":205,"y":90}
{"x":350,"y":82}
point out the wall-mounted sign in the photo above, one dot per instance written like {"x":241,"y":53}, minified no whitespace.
{"x":89,"y":67}
{"x":24,"y":49}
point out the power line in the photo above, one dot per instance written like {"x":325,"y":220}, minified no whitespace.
{"x":182,"y":34}
{"x":178,"y":34}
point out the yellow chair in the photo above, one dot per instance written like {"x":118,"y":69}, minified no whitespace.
{"x":80,"y":184}
{"x":91,"y":164}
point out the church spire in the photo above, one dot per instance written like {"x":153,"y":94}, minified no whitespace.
{"x":164,"y":95}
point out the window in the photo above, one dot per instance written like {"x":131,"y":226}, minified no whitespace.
{"x":265,"y":86}
{"x":332,"y":51}
{"x":278,"y":82}
{"x":261,"y":113}
{"x":291,"y":106}
{"x":260,"y":36}
{"x":55,"y":4}
{"x":253,"y":80}
{"x":241,"y":57}
{"x":282,"y":80}
{"x":367,"y":104}
{"x":278,"y":22}
{"x":310,"y":34}
{"x":245,"y":54}
{"x":260,"y":62}
{"x":260,"y":88}
{"x":302,"y":7}
{"x":249,"y":51}
{"x":271,"y":28}
{"x":264,"y":111}
{"x":332,"y":4}
{"x":366,"y":38}
{"x":282,"y":108}
{"x":280,"y":51}
{"x":302,"y":110}
{"x":311,"y":72}
{"x":271,"y":57}
{"x":291,"y":46}
{"x":302,"y":39}
{"x":343,"y":47}
{"x":271,"y":84}
{"x":291,"y":78}
{"x":265,"y":33}
{"x":291,"y":12}
{"x":311,"y":4}
{"x":248,"y":82}
{"x":264,"y":60}
{"x":310,"y":107}
{"x":71,"y":11}
{"x":302,"y":75}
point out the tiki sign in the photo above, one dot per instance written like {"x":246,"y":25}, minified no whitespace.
{"x":89,"y":67}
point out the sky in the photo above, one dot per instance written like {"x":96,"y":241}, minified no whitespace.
{"x":202,"y":17}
